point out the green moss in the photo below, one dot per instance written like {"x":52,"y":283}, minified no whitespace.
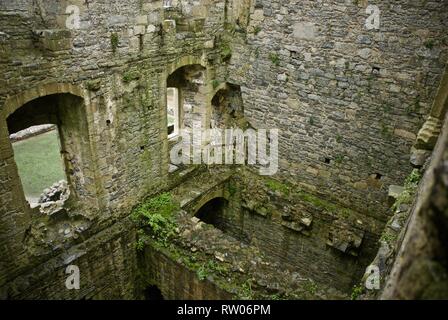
{"x":275,"y":185}
{"x":324,"y":204}
{"x":275,"y":59}
{"x":310,"y":286}
{"x":232,"y":189}
{"x":339,"y":158}
{"x":338,"y":138}
{"x":215,"y":84}
{"x":114,"y":41}
{"x":230,"y":27}
{"x":205,"y":267}
{"x":226,"y":52}
{"x":93,"y":85}
{"x":130,"y":76}
{"x":429,"y":44}
{"x":387,"y":108}
{"x":309,"y":198}
{"x":311,"y":121}
{"x":211,"y":267}
{"x":385,"y":131}
{"x":413,"y":108}
{"x":389,"y":237}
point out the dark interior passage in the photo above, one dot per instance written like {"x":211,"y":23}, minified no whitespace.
{"x":213,"y":213}
{"x":153,"y":293}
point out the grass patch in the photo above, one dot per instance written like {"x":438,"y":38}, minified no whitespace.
{"x":39,"y":162}
{"x":277,"y":186}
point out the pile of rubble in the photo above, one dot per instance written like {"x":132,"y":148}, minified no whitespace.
{"x":53,"y":198}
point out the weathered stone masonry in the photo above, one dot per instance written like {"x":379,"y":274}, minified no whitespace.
{"x":348,"y":101}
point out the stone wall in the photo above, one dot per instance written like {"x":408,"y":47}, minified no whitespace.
{"x":329,"y":244}
{"x":176,"y":281}
{"x":107,"y":268}
{"x":420,"y":269}
{"x":117,"y":64}
{"x":349,"y":101}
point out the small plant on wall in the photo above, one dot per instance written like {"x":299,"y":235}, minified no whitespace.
{"x":275,"y":59}
{"x":114,"y":41}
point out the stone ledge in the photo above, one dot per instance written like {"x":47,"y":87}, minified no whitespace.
{"x":54,"y":39}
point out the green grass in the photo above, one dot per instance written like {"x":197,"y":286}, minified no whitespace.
{"x":171,"y":120}
{"x":39,"y":162}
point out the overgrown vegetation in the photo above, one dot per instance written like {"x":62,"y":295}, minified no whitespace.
{"x":356,"y":292}
{"x":315,"y":201}
{"x":277,"y":186}
{"x":390,"y":236}
{"x":246,"y":291}
{"x":156,"y":215}
{"x":93,"y":85}
{"x":209,"y":268}
{"x":410,"y":188}
{"x":310,"y":286}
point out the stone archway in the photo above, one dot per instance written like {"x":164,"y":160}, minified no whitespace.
{"x":213,"y":213}
{"x":62,"y":105}
{"x":192,"y":94}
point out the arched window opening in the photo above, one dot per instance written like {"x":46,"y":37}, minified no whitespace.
{"x":213,"y":213}
{"x":153,"y":293}
{"x":51,"y":145}
{"x":189,"y":99}
{"x":173,"y":112}
{"x":228,"y":109}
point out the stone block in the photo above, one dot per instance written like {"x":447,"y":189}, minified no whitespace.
{"x":305,"y":31}
{"x":54,"y":39}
